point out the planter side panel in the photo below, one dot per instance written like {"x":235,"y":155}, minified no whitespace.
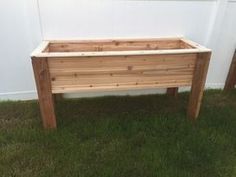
{"x":121,"y":72}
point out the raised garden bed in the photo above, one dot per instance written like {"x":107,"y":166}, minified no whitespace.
{"x":103,"y":65}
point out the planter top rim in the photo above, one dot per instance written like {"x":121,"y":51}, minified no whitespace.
{"x":40,"y":51}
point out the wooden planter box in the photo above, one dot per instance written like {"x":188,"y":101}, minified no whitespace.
{"x":101,"y":65}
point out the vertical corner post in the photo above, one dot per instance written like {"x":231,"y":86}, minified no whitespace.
{"x":45,"y":96}
{"x":173,"y":91}
{"x":198,"y":84}
{"x":231,"y":78}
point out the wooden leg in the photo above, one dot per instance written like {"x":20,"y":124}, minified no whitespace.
{"x":172,"y":91}
{"x":198,"y":84}
{"x":58,"y":96}
{"x":231,"y":78}
{"x":43,"y":83}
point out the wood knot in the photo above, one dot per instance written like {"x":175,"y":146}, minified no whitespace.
{"x":117,"y":43}
{"x":130,"y":68}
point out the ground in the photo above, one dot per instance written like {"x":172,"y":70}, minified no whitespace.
{"x":138,"y":136}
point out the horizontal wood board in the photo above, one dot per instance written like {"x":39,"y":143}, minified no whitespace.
{"x":121,"y":72}
{"x":117,"y":45}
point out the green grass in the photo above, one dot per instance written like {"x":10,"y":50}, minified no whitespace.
{"x":121,"y":137}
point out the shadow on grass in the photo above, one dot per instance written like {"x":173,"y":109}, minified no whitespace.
{"x":121,"y":136}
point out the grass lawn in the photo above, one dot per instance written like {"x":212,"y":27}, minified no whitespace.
{"x":138,"y":136}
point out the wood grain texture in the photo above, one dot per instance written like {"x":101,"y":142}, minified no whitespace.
{"x":43,"y":83}
{"x":118,"y":47}
{"x":115,"y":45}
{"x":198,"y":84}
{"x":119,"y":53}
{"x":231,"y":78}
{"x":96,"y":73}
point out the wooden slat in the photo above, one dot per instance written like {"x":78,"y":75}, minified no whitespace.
{"x":120,"y":53}
{"x":184,"y":45}
{"x":117,"y":39}
{"x":152,"y":58}
{"x":131,"y":63}
{"x":43,"y":47}
{"x":60,"y":80}
{"x":194,"y":45}
{"x":117,"y":79}
{"x":145,"y":73}
{"x":114,"y":45}
{"x":119,"y":47}
{"x":124,"y":86}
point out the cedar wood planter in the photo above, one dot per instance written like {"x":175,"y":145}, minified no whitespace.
{"x":101,"y":65}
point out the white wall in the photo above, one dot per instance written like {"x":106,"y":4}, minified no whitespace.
{"x":223,"y":45}
{"x":24,"y":23}
{"x":107,"y":19}
{"x":16,"y":43}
